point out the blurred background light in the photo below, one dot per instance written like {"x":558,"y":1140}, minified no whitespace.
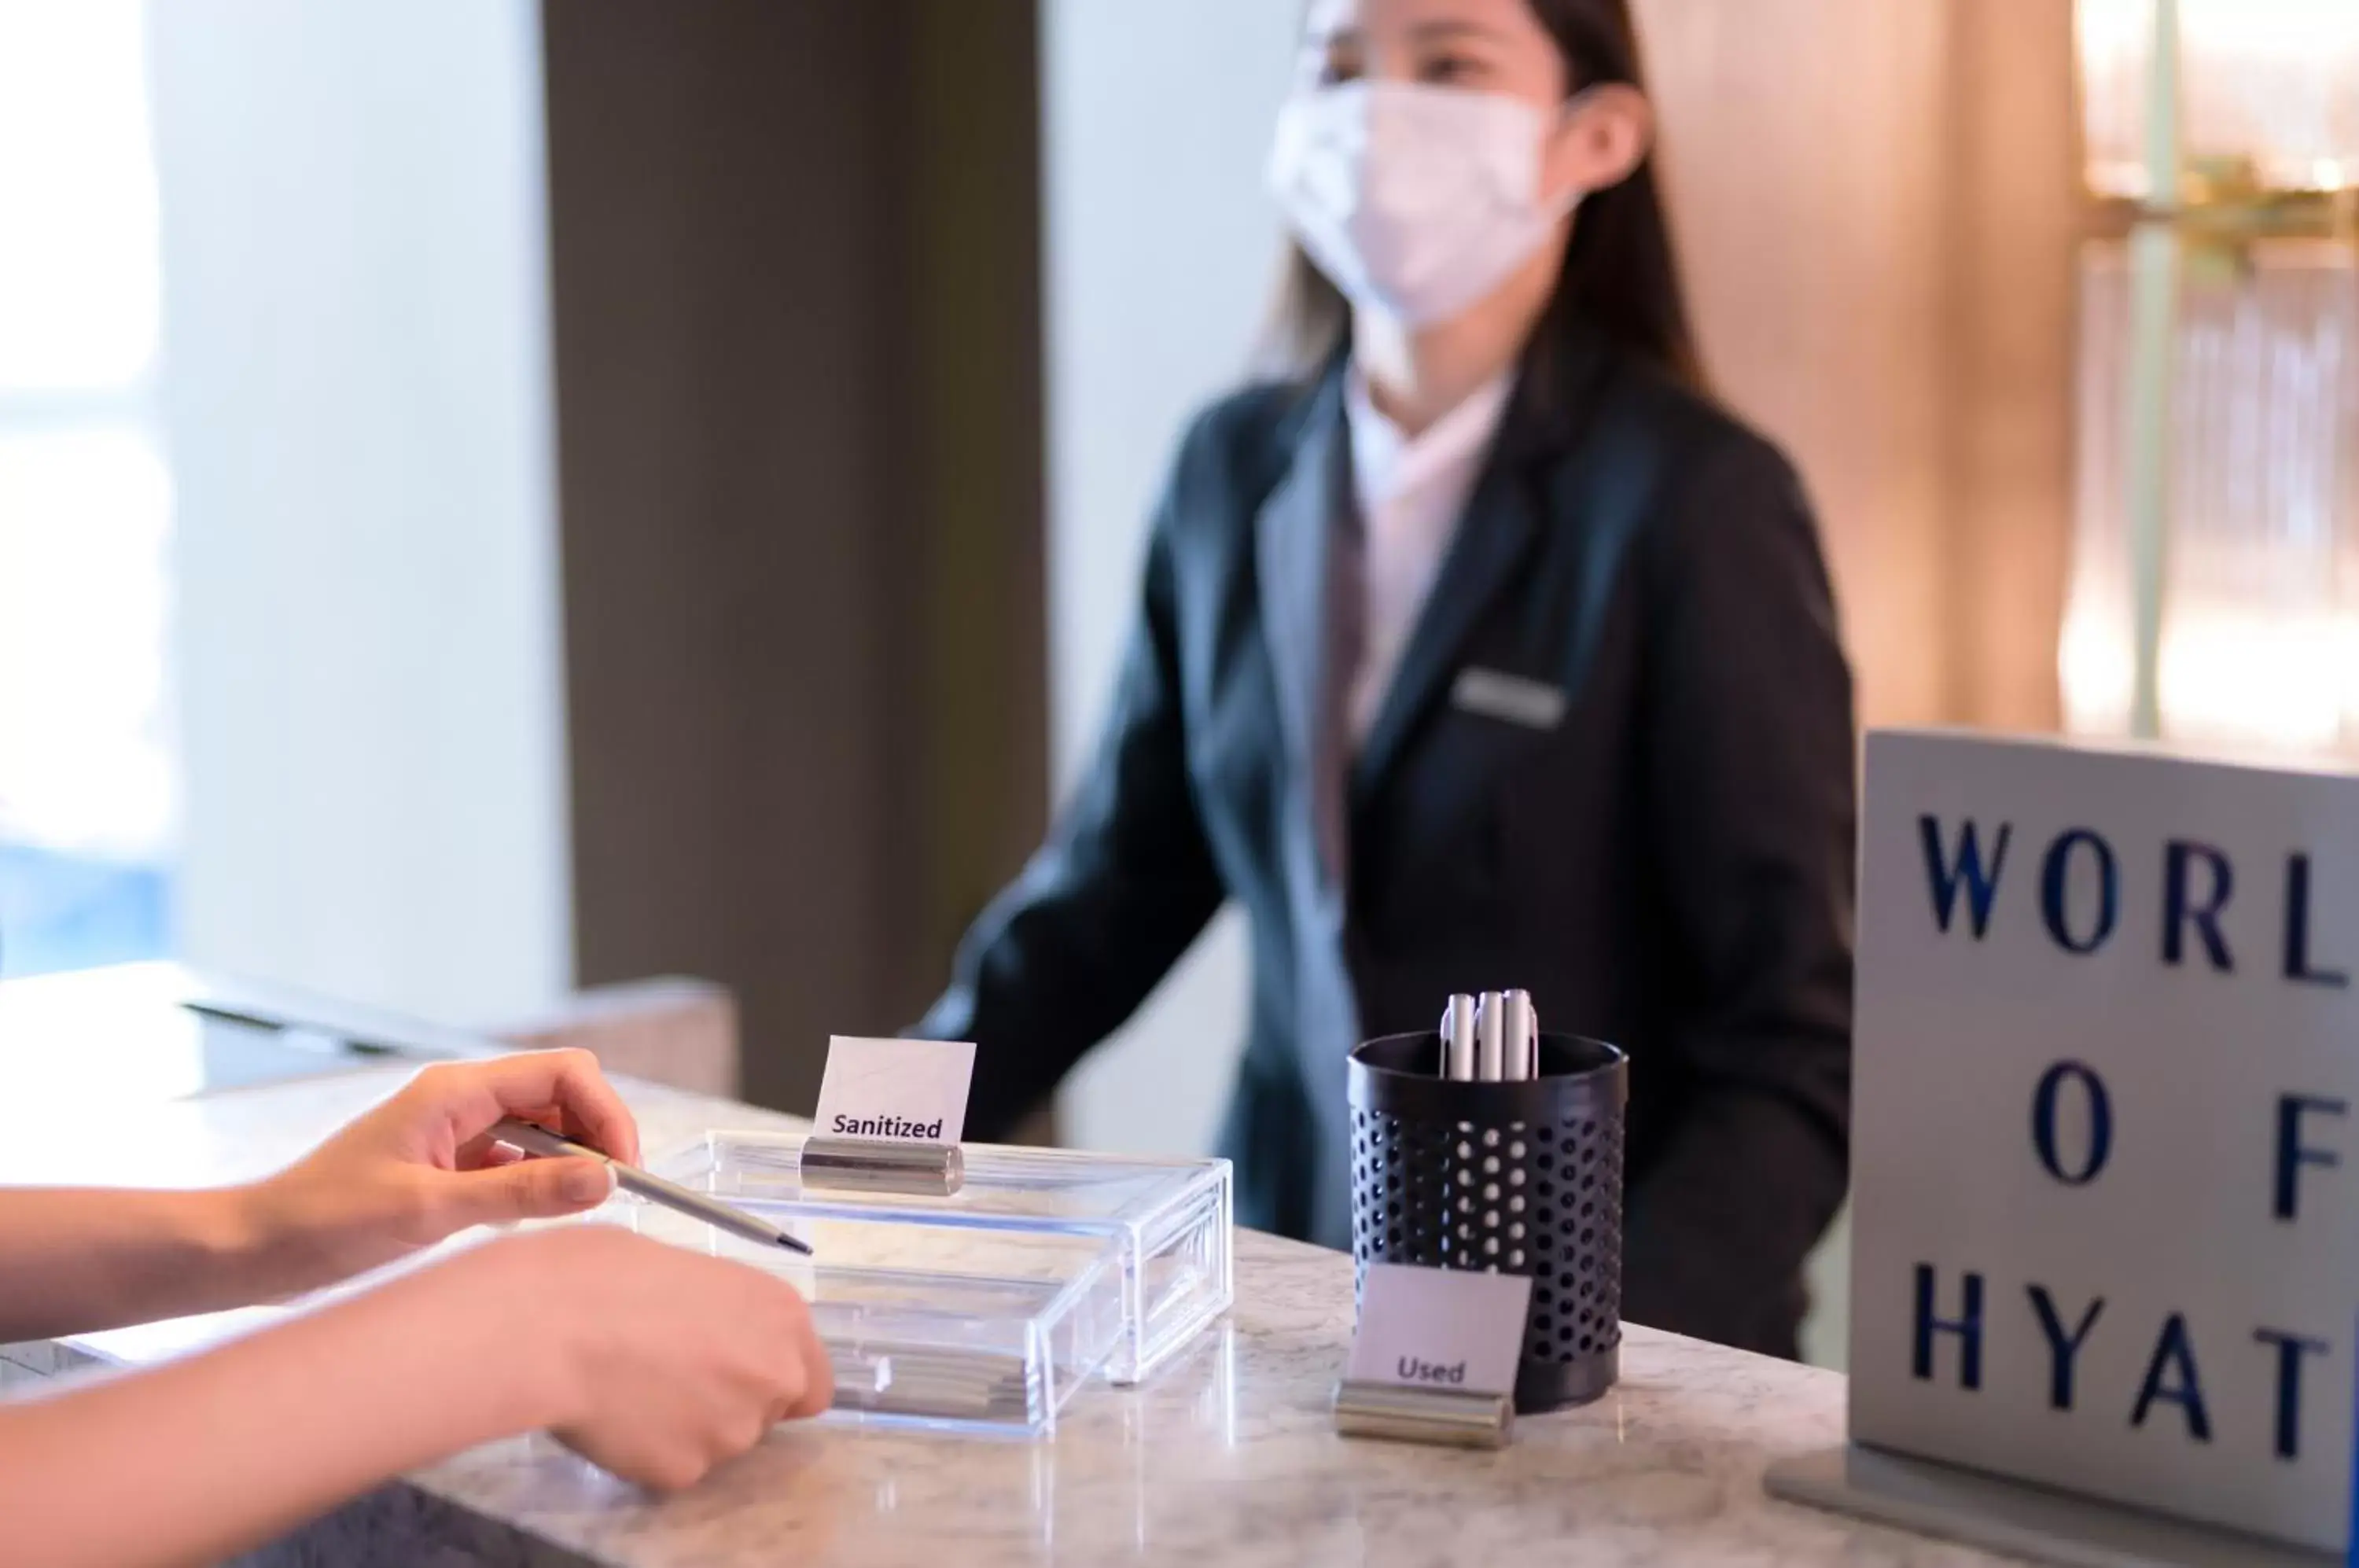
{"x":89,"y":780}
{"x":2219,"y":377}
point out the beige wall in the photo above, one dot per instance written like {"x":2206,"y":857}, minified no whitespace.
{"x":1875,"y":206}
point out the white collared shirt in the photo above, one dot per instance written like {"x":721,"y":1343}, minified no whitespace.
{"x":1411,"y":493}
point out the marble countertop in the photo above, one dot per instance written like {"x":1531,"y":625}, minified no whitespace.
{"x":1227,"y":1455}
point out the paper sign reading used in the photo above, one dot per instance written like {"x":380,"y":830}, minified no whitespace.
{"x":1439,"y":1328}
{"x":910,"y":1090}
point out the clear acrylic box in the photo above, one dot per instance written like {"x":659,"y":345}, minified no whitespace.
{"x":932,"y":1324}
{"x":989,"y":1308}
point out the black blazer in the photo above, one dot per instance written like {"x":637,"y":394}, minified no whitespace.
{"x":1669,"y":866}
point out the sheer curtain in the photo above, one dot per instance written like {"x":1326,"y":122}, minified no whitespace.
{"x":2259,"y":645}
{"x":2260,"y":642}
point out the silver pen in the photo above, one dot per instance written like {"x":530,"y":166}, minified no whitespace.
{"x":1458,"y":1039}
{"x":1490,"y":1039}
{"x":1520,"y":1056}
{"x":539,"y":1140}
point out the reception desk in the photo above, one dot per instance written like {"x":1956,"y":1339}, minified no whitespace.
{"x":1226,"y":1457}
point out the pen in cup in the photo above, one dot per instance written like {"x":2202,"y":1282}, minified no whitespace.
{"x":1490,"y":1038}
{"x":1458,"y":1039}
{"x":1520,"y":1038}
{"x":539,"y":1140}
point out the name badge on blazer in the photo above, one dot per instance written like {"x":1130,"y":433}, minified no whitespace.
{"x":1511,"y":699}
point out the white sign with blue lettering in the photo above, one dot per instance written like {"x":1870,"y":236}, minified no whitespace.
{"x":2105,"y":1151}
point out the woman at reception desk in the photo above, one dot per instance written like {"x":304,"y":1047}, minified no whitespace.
{"x":1477,"y":647}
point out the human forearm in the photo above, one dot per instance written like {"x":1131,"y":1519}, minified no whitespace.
{"x":655,"y":1362}
{"x":198,"y":1459}
{"x":409,"y":1172}
{"x":73,"y":1260}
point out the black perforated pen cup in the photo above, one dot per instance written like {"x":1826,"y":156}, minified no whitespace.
{"x":1522,"y":1177}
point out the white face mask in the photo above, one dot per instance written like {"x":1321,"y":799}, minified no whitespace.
{"x":1414,"y":200}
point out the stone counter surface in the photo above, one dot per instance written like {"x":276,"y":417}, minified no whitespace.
{"x":1227,"y":1457}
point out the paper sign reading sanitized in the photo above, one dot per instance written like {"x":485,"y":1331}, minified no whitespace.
{"x":1439,"y":1328}
{"x":909,"y":1091}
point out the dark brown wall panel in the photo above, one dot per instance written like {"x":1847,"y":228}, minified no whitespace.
{"x":800,"y":516}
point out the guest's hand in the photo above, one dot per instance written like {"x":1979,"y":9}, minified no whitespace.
{"x":424,"y":1164}
{"x":656,"y":1362}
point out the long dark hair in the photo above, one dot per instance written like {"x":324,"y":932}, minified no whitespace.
{"x":1621,"y":277}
